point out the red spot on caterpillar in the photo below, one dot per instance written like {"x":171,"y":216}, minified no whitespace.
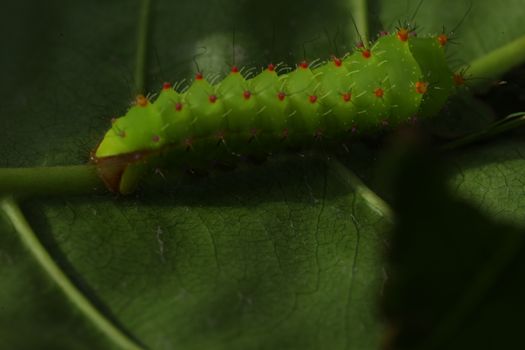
{"x":360,"y":45}
{"x":246,"y":94}
{"x":379,"y":92}
{"x":199,"y":76}
{"x":155,"y":138}
{"x":281,"y":95}
{"x":402,"y":34}
{"x":303,"y":65}
{"x":212,"y":98}
{"x":459,"y":79}
{"x":347,"y":96}
{"x":253,"y":134}
{"x":178,"y":106}
{"x":166,"y":86}
{"x":442,"y":39}
{"x":421,"y":87}
{"x":312,"y":98}
{"x":220,"y":135}
{"x":271,"y":67}
{"x":383,"y":33}
{"x":188,"y":143}
{"x":235,"y":69}
{"x":338,"y":62}
{"x":366,"y":53}
{"x":141,"y":101}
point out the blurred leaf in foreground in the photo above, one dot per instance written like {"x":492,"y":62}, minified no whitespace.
{"x":455,"y":275}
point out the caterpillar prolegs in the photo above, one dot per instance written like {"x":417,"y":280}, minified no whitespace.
{"x":397,"y":78}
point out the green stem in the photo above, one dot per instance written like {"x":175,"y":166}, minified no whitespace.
{"x":142,"y":46}
{"x":373,"y":201}
{"x":30,"y":240}
{"x":511,"y":122}
{"x":83,"y":179}
{"x":497,"y":62}
{"x":359,"y":15}
{"x":76,"y":179}
{"x":79,"y":179}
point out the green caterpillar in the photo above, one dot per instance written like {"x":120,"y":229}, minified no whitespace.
{"x":399,"y":77}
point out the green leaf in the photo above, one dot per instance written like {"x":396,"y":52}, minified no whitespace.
{"x":220,"y":263}
{"x":491,"y":178}
{"x":285,"y":255}
{"x":454,"y":271}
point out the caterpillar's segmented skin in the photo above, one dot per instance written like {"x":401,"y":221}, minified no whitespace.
{"x":398,"y":78}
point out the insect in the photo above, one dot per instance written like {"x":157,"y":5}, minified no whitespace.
{"x":395,"y":80}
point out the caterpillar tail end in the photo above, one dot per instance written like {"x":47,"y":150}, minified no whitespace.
{"x":120,"y":174}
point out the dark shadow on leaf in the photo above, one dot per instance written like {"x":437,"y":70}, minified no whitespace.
{"x":454,"y":279}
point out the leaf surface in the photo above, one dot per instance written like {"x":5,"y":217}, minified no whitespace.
{"x":285,"y":255}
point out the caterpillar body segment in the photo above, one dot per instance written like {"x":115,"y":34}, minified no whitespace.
{"x":398,"y":78}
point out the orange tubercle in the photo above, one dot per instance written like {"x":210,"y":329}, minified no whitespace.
{"x":141,"y":101}
{"x":402,"y":34}
{"x":379,"y":92}
{"x":459,"y":79}
{"x":366,"y":53}
{"x":442,"y":39}
{"x":421,"y":87}
{"x":220,"y":135}
{"x":188,"y":143}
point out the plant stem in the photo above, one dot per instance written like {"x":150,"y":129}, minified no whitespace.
{"x":142,"y":46}
{"x":497,"y":62}
{"x":75,"y":179}
{"x":39,"y":252}
{"x":373,"y":201}
{"x":511,"y":122}
{"x":359,"y":15}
